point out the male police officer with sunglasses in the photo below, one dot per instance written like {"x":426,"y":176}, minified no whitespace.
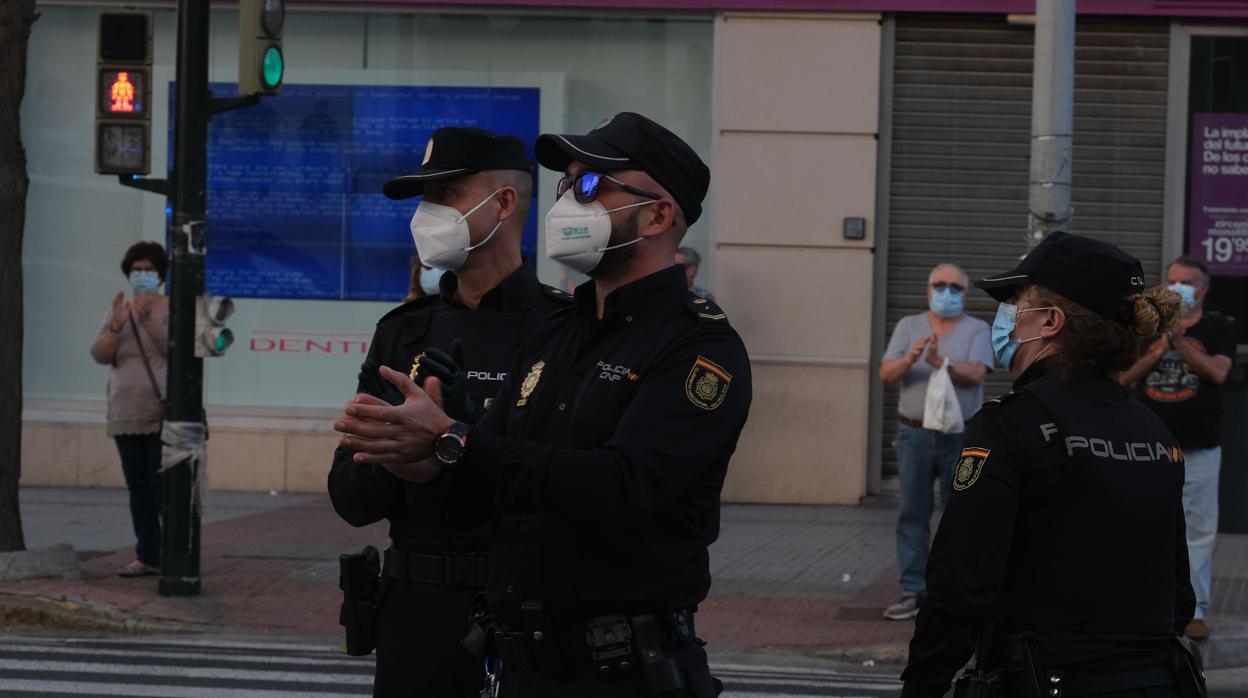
{"x":477,"y":188}
{"x":609,"y":442}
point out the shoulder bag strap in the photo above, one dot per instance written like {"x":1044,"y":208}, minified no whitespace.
{"x":147,"y":364}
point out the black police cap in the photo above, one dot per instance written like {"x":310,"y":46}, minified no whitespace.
{"x":630,"y":141}
{"x":457,"y":152}
{"x":1094,"y":274}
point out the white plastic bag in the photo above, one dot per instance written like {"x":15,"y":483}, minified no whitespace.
{"x":941,"y":411}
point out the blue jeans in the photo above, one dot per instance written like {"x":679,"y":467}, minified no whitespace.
{"x":923,"y":455}
{"x":1200,"y":509}
{"x":140,"y":462}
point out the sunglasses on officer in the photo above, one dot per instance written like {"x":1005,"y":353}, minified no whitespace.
{"x":586,"y":184}
{"x":942,"y":285}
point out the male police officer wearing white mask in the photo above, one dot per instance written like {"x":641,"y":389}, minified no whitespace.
{"x":477,"y":189}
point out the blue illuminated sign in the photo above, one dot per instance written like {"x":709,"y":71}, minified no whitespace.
{"x":295,"y":208}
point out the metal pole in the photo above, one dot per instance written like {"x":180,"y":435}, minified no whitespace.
{"x":1052,"y":100}
{"x":179,"y":574}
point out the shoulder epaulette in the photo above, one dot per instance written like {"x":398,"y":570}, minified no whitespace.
{"x":999,"y":399}
{"x":706,"y":310}
{"x":410,"y":307}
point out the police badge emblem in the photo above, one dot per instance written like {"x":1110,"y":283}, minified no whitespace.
{"x":707,"y":384}
{"x":970,"y":465}
{"x":530,"y":383}
{"x":415,"y":366}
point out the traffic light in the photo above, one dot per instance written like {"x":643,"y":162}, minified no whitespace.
{"x":123,"y":86}
{"x":261,"y":63}
{"x":212,"y":336}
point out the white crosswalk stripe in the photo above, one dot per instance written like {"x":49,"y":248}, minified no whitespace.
{"x":33,"y":667}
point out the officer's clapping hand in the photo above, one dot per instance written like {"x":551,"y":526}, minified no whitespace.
{"x":371,"y":382}
{"x":398,"y":437}
{"x":447,"y":368}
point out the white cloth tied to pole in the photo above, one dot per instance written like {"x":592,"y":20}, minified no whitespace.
{"x":186,"y":442}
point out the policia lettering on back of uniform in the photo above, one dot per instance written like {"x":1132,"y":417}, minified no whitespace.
{"x":476,"y":188}
{"x":1062,"y":550}
{"x":607,"y":446}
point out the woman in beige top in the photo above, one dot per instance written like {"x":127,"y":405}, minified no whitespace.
{"x":133,"y":342}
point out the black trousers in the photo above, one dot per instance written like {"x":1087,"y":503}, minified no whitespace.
{"x":531,"y":684}
{"x":418,"y":651}
{"x":140,"y":463}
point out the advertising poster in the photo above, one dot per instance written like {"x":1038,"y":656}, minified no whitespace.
{"x":1218,"y":207}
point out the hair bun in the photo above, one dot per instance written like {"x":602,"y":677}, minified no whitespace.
{"x":1157,"y":310}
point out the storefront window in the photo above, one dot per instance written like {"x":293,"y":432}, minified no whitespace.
{"x":569,"y":71}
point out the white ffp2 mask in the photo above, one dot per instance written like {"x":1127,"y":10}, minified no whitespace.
{"x":441,"y":234}
{"x":577,"y":234}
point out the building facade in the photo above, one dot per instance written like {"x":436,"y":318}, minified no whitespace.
{"x":852,"y":145}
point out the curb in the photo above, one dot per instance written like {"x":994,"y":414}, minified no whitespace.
{"x":865,"y":655}
{"x":39,"y":612}
{"x":1225,"y":650}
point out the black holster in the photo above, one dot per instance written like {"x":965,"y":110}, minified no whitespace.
{"x":1012,"y":668}
{"x":1188,"y":668}
{"x":359,"y":578}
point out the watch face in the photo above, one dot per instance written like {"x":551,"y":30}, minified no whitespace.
{"x":449,"y":448}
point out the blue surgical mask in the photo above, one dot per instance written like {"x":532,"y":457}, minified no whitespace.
{"x":429,"y":279}
{"x":946,"y":302}
{"x":1187,"y":292}
{"x":1002,"y":326}
{"x":144,"y":281}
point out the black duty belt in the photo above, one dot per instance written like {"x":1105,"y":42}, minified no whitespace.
{"x":611,"y":644}
{"x":449,"y":570}
{"x":1074,"y":683}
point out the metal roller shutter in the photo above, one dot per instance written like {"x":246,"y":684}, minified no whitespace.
{"x":961,"y":133}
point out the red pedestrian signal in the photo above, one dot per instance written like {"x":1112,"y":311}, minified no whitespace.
{"x":123,"y":92}
{"x":123,"y":135}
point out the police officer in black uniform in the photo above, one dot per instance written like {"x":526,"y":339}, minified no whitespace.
{"x":1061,"y":560}
{"x":609,"y":441}
{"x":477,"y":188}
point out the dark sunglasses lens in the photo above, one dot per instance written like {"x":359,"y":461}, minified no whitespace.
{"x":564,"y":184}
{"x":587,"y":186}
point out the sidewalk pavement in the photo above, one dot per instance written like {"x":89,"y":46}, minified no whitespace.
{"x":791,"y":580}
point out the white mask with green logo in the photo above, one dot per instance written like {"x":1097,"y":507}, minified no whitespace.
{"x":577,"y":234}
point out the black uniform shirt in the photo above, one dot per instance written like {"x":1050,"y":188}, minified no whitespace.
{"x":611,"y":439}
{"x":419,"y":514}
{"x":1066,"y":521}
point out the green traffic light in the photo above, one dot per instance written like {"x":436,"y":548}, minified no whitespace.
{"x":272,"y":68}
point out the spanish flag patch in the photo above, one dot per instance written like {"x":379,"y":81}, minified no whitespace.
{"x":707,"y":384}
{"x":970,"y":465}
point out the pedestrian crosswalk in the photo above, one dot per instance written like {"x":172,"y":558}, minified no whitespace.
{"x":755,"y":681}
{"x":178,"y":667}
{"x":210,"y":668}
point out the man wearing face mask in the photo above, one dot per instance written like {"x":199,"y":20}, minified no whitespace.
{"x":1182,"y":373}
{"x":609,"y":442}
{"x":1060,"y":560}
{"x":476,"y":189}
{"x":920,"y":344}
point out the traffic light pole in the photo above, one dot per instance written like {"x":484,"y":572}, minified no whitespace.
{"x":179,"y":575}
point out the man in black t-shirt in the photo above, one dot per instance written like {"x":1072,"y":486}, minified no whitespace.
{"x":1180,"y":378}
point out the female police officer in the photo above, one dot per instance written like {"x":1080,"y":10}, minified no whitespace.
{"x":1062,"y":552}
